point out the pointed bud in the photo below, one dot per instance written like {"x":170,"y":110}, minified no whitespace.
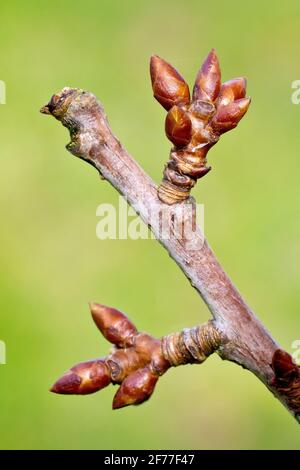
{"x":232,"y":90}
{"x":208,"y":81}
{"x":228,"y":117}
{"x":169,"y":88}
{"x":113,"y":324}
{"x":283,"y":365}
{"x":84,"y":378}
{"x":136,"y":388}
{"x":178,"y":127}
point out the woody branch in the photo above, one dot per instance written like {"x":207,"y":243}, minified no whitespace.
{"x":234,"y":333}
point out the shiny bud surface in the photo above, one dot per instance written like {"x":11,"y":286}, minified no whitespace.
{"x":136,"y":388}
{"x":208,"y":81}
{"x":227,"y":117}
{"x":169,"y":88}
{"x":113,"y":324}
{"x":232,"y":90}
{"x":178,"y":126}
{"x":84,"y":378}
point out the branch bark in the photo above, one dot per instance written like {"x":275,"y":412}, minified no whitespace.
{"x":244,"y":340}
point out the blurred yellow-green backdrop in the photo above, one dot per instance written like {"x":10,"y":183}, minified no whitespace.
{"x":52,"y":263}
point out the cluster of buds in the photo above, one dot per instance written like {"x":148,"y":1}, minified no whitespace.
{"x":287,"y":378}
{"x":194,"y":124}
{"x":135,"y":362}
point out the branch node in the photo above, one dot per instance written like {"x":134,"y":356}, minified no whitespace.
{"x":192,"y":345}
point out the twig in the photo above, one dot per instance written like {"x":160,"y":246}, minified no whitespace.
{"x":241,"y":336}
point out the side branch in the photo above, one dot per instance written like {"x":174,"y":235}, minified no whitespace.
{"x":244,"y":340}
{"x":137,"y":360}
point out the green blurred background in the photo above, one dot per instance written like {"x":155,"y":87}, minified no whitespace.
{"x":52,"y":264}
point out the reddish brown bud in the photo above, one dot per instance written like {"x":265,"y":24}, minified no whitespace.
{"x":84,"y":378}
{"x":228,"y":117}
{"x":169,"y":87}
{"x":178,"y":127}
{"x":136,"y":388}
{"x":208,"y":81}
{"x":283,"y":366}
{"x":232,"y":90}
{"x":113,"y":324}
